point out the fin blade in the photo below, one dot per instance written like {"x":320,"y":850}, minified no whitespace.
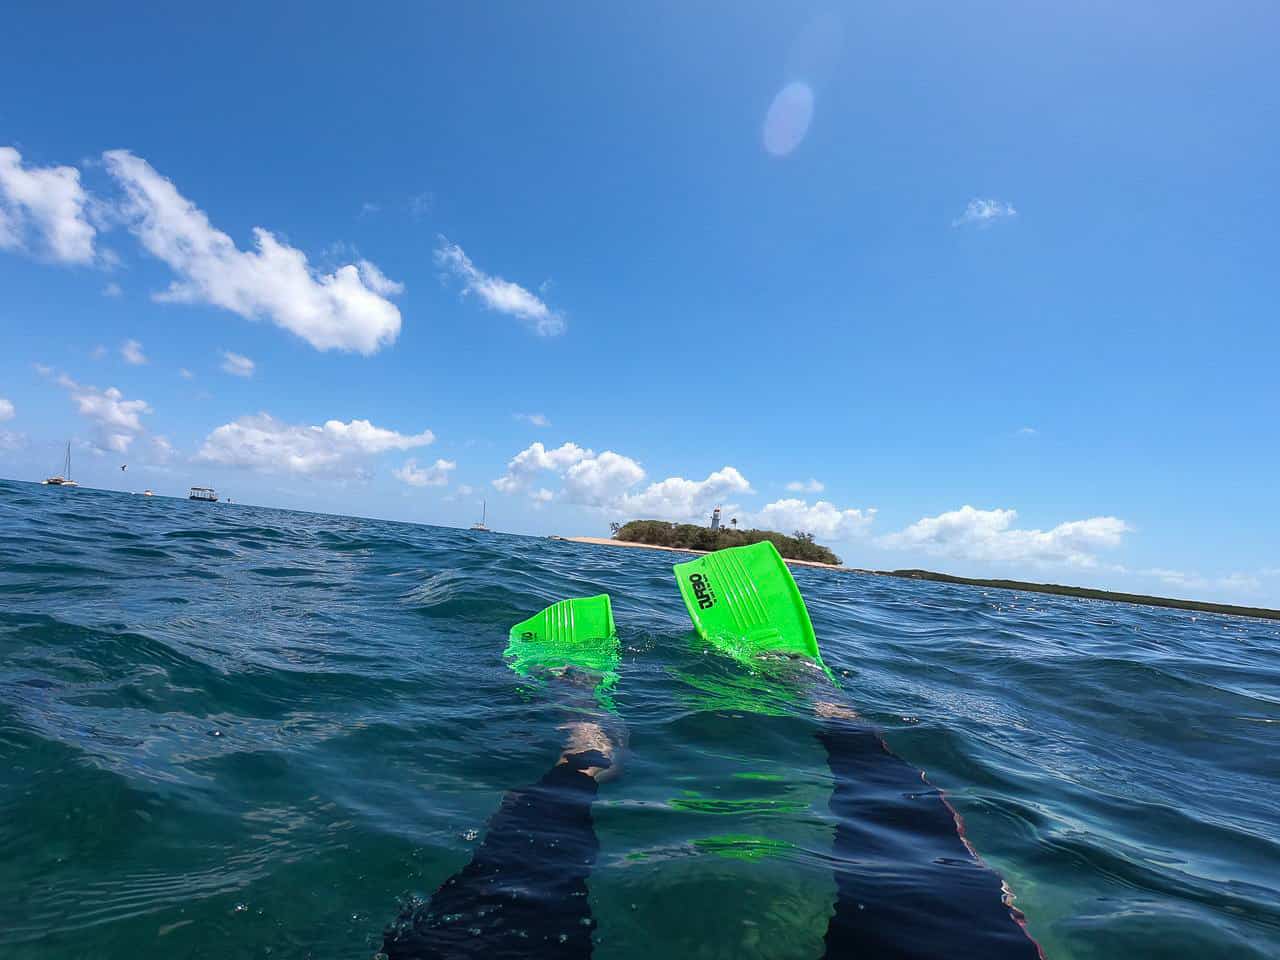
{"x":745,"y":601}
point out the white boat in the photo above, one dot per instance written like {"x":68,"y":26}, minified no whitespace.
{"x":147,"y":493}
{"x":206,"y":494}
{"x":62,"y":479}
{"x":484,"y":512}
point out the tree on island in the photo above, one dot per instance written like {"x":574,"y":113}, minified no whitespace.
{"x":689,"y":536}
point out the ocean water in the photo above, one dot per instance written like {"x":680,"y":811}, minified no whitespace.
{"x":229,"y":731}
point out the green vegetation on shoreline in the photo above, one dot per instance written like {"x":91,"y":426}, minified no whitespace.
{"x":1088,"y":593}
{"x":689,"y":536}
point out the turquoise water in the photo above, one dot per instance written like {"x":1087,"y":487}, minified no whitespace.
{"x":228,"y":731}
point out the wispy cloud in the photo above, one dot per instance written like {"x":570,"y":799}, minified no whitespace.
{"x":344,"y":310}
{"x":6,"y":409}
{"x":534,"y":419}
{"x":421,"y":204}
{"x":498,"y":294}
{"x":1240,"y":582}
{"x":131,"y":351}
{"x":1027,"y":432}
{"x":806,"y":486}
{"x":983,"y":213}
{"x":112,"y":289}
{"x":44,"y":210}
{"x":237,"y":364}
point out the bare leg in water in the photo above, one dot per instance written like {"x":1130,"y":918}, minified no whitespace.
{"x":909,"y":886}
{"x":524,"y":893}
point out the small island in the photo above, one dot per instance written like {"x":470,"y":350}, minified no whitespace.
{"x":690,"y":536}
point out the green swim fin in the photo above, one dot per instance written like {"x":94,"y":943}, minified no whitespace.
{"x":578,"y":633}
{"x":745,"y":601}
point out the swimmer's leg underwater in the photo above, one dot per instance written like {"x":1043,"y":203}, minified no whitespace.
{"x":524,"y":893}
{"x":908,"y":884}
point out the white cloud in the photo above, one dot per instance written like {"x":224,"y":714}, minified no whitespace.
{"x":535,"y":419}
{"x":989,"y":535}
{"x":131,"y":350}
{"x":679,"y":499}
{"x":112,"y":289}
{"x":236,"y":364}
{"x":983,"y":213}
{"x":116,"y":421}
{"x":806,"y":486}
{"x":526,"y":464}
{"x":1028,"y":432}
{"x":48,"y":202}
{"x":823,"y":519}
{"x":185,"y":374}
{"x":343,"y":310}
{"x":466,"y":490}
{"x":609,"y":481}
{"x":601,"y":481}
{"x":264,"y":443}
{"x":542,"y":495}
{"x":6,"y":409}
{"x":498,"y":294}
{"x":435,"y":475}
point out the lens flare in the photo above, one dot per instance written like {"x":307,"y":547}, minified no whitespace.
{"x":787,"y":121}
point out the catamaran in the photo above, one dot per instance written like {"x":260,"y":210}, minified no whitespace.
{"x":62,"y":479}
{"x":484,"y":510}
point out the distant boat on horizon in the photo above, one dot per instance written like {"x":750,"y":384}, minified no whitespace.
{"x":484,"y":515}
{"x":62,"y":479}
{"x":148,"y":493}
{"x":207,"y":494}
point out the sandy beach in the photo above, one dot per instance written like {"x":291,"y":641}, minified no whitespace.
{"x":608,"y":542}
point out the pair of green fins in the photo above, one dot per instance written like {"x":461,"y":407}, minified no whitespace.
{"x":743,"y":600}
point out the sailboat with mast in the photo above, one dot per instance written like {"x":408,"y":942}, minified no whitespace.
{"x":62,"y":479}
{"x":484,"y":512}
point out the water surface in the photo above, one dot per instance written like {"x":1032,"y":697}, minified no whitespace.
{"x":228,"y":731}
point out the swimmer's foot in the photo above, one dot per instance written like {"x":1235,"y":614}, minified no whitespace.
{"x":834,"y":711}
{"x":589,"y":749}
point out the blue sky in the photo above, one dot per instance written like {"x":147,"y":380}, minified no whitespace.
{"x":990,"y":290}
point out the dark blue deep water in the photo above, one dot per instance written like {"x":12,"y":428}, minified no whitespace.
{"x":228,"y":731}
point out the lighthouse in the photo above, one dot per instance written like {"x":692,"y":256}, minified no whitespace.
{"x":715,"y":519}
